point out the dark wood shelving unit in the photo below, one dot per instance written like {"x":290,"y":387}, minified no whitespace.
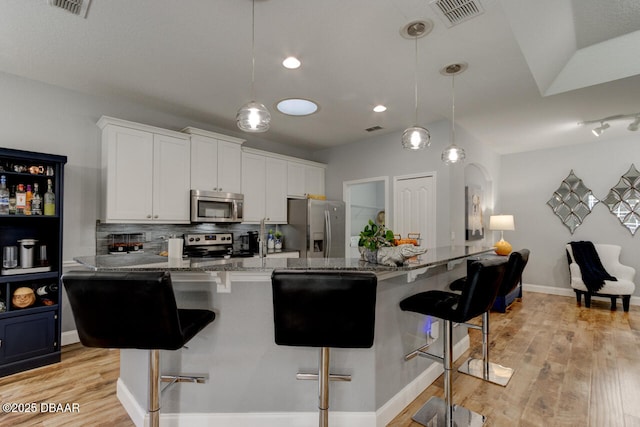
{"x":30,"y":336}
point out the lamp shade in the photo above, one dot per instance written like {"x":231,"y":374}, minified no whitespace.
{"x":501,"y":222}
{"x":416,"y":138}
{"x":253,"y":117}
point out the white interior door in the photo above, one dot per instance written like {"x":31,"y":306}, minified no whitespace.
{"x":415,"y":207}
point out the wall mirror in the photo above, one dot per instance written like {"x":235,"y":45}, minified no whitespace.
{"x":572,"y":202}
{"x":623,"y":200}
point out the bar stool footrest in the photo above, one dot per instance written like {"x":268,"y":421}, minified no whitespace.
{"x":196,"y":379}
{"x":496,"y":373}
{"x":433,"y":414}
{"x":332,"y":377}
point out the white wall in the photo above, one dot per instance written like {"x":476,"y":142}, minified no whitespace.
{"x":383,"y":155}
{"x":528,"y":181}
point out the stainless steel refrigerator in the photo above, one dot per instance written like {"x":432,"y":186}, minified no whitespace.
{"x":316,"y":228}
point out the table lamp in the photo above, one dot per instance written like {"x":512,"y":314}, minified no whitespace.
{"x":502,"y":223}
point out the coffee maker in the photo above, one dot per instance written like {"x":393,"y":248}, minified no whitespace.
{"x":254,"y":243}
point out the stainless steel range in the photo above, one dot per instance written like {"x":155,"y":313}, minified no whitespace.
{"x":212,"y":245}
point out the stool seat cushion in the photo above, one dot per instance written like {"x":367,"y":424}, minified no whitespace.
{"x":483,"y":281}
{"x":193,"y":321}
{"x":435,"y":303}
{"x":114,"y":309}
{"x":324,"y":308}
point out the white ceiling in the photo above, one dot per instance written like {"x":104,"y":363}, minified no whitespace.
{"x":536,"y":67}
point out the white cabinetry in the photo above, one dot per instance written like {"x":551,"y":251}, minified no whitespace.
{"x":215,"y":161}
{"x":304,"y":179}
{"x":145,"y":173}
{"x":264,"y":185}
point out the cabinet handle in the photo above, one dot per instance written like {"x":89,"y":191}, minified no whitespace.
{"x":155,"y":216}
{"x":148,"y":216}
{"x":0,"y":343}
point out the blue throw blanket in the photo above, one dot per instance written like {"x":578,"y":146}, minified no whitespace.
{"x":593,"y":273}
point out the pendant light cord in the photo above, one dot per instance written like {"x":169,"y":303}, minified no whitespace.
{"x":415,"y":81}
{"x":453,"y":109}
{"x":253,"y":48}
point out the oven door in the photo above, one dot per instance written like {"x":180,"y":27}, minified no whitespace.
{"x":206,"y":209}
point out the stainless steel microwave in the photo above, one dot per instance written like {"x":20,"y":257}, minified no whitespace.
{"x":213,"y":206}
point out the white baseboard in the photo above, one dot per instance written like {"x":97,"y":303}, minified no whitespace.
{"x":69,"y":337}
{"x":568,"y":292}
{"x":380,"y":418}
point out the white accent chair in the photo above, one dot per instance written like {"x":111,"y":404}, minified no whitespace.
{"x":609,"y":256}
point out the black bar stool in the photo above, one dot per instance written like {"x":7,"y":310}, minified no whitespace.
{"x":134,"y":310}
{"x":324,"y":309}
{"x":482,"y":368}
{"x":484,"y":279}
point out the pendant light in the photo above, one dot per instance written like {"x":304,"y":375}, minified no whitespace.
{"x":253,"y":116}
{"x":453,"y":154}
{"x":416,"y":137}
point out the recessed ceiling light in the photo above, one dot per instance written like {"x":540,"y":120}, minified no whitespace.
{"x":379,"y":108}
{"x":291,"y":63}
{"x":297,"y":107}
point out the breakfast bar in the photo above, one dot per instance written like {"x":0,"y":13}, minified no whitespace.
{"x":251,"y":380}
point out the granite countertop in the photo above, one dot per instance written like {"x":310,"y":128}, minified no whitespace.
{"x":433,"y":257}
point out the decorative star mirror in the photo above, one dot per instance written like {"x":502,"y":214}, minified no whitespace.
{"x":623,"y":200}
{"x":572,"y":202}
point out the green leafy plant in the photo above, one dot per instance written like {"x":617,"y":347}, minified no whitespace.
{"x":278,"y":234}
{"x":375,"y":236}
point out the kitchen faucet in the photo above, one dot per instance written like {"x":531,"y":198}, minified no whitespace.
{"x":261,"y":239}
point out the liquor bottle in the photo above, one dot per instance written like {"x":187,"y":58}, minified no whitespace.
{"x":48,"y":293}
{"x":12,"y":200}
{"x":21,"y":199}
{"x":4,"y":196}
{"x":36,"y":201}
{"x":29,"y":196}
{"x":49,"y":200}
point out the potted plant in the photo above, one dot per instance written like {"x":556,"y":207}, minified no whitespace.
{"x":278,"y":239}
{"x":372,"y":238}
{"x":270,"y":240}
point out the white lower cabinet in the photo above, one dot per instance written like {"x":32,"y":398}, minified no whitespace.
{"x":145,"y":173}
{"x":264,"y":185}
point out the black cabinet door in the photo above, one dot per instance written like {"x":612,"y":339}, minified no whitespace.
{"x":22,"y":337}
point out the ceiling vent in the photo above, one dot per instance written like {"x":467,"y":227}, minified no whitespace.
{"x":454,"y":12}
{"x":373,"y":128}
{"x":77,"y":7}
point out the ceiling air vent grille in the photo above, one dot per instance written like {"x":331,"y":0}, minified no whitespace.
{"x":373,"y":128}
{"x":454,"y":12}
{"x":77,"y":7}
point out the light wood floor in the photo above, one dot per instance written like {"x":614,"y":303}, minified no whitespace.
{"x":574,"y":367}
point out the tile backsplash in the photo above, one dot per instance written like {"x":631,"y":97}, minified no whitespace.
{"x":154,"y":235}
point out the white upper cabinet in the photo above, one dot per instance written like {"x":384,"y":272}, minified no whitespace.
{"x":253,"y":186}
{"x":215,"y":161}
{"x":314,"y":180}
{"x":304,"y":179}
{"x":276,"y":190}
{"x":264,"y":185}
{"x":145,"y":173}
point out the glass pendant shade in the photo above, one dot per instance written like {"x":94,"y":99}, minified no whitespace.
{"x":253,"y":117}
{"x":416,"y":138}
{"x":453,"y":154}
